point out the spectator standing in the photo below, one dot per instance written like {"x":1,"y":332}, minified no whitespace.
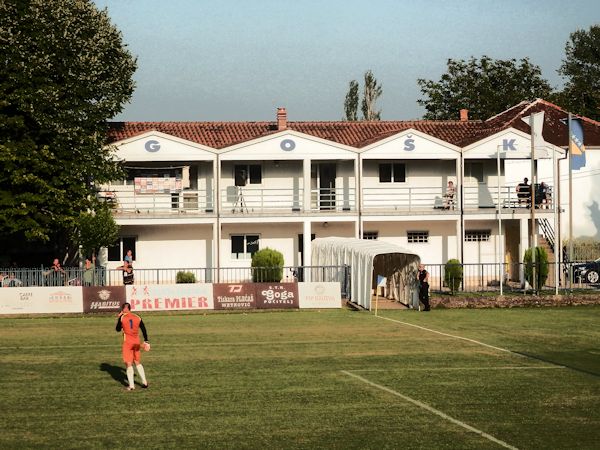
{"x":524,"y":192}
{"x":89,"y":271}
{"x":129,"y":257}
{"x":127,"y":270}
{"x":56,"y":274}
{"x":423,"y":278}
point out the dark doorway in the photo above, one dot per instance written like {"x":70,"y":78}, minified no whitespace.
{"x":327,"y":175}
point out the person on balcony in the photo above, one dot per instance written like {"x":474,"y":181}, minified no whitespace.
{"x":544,"y":194}
{"x":524,"y":193}
{"x":449,"y":196}
{"x":56,"y":274}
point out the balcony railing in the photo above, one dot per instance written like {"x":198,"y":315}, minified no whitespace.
{"x":262,"y":200}
{"x":128,"y":201}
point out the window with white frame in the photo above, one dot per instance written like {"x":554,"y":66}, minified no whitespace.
{"x":243,"y":246}
{"x":477,"y":235}
{"x":370,"y":235}
{"x":118,"y":250}
{"x":392,"y":172}
{"x":418,"y":237}
{"x":247,"y":174}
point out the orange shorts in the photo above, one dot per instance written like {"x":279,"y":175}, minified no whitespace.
{"x":131,"y":352}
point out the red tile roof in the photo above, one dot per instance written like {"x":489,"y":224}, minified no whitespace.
{"x":360,"y":134}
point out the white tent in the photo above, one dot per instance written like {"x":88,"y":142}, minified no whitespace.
{"x":369,"y":259}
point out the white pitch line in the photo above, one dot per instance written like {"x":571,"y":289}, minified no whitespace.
{"x":453,"y":336}
{"x":431,"y":409}
{"x":442,"y":369}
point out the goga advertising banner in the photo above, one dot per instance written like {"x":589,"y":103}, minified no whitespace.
{"x":170,"y":297}
{"x":41,"y":300}
{"x":276,"y":295}
{"x":103,"y":298}
{"x":319,"y":295}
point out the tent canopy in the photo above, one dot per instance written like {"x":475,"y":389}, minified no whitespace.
{"x":367,"y":260}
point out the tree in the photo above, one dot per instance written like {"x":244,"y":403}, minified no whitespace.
{"x":581,"y":68}
{"x":351,"y":102}
{"x":96,"y":229}
{"x":485,"y":87}
{"x":64,"y":71}
{"x":372,"y":90}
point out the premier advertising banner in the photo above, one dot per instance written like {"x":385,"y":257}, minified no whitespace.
{"x":170,"y":297}
{"x":103,"y":298}
{"x":41,"y":300}
{"x":319,"y":295}
{"x":234,"y":296}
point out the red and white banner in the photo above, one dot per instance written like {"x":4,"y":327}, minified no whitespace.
{"x":319,"y":295}
{"x":170,"y":297}
{"x":41,"y":300}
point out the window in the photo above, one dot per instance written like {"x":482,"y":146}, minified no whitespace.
{"x":247,"y":174}
{"x":477,"y":235}
{"x":392,"y":173}
{"x":243,"y":246}
{"x":418,"y":237}
{"x":370,"y":235}
{"x":118,"y":250}
{"x":150,"y":172}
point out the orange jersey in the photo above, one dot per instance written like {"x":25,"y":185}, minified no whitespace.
{"x":130,"y":324}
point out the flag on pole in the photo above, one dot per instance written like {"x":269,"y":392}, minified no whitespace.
{"x":536,"y":123}
{"x":576,"y":147}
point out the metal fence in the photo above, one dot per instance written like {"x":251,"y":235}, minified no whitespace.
{"x":74,"y":276}
{"x":485,"y":277}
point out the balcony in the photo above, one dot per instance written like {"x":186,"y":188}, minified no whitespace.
{"x":407,"y":199}
{"x":124,"y":201}
{"x":255,"y":200}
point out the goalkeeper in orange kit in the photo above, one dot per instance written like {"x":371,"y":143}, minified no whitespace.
{"x":130,"y":324}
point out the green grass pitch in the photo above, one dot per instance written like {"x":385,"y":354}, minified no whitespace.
{"x":497,"y":378}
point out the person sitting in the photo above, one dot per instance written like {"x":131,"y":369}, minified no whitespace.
{"x":524,"y":193}
{"x":449,"y":196}
{"x":544,"y":195}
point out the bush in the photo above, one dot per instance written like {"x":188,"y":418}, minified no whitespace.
{"x":185,"y":277}
{"x":267,"y":266}
{"x":541,"y":267}
{"x":453,"y":274}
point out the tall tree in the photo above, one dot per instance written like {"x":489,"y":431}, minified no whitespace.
{"x":64,"y":71}
{"x":372,"y":91}
{"x":351,"y":102}
{"x":581,"y":68}
{"x":483,"y":86}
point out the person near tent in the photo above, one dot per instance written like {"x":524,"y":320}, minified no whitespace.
{"x":423,"y":277}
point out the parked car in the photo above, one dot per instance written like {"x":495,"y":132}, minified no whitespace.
{"x":588,"y":272}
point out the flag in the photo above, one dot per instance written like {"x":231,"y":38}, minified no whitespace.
{"x":536,"y":123}
{"x":576,"y":147}
{"x":381,"y":281}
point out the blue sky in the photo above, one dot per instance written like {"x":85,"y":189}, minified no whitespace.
{"x":238,"y":60}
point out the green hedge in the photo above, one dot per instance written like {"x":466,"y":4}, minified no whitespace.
{"x":185,"y":277}
{"x":453,"y":274}
{"x":267,"y":266}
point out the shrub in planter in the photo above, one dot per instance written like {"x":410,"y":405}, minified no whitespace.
{"x":453,"y":274}
{"x":541,"y":267}
{"x":267,"y":266}
{"x":185,"y":277}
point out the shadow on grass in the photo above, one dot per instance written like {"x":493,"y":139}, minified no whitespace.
{"x":557,"y":362}
{"x":117,"y":372}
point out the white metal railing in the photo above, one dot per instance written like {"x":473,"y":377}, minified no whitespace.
{"x":125,"y":200}
{"x":487,"y":196}
{"x":333,"y":199}
{"x":256,"y":199}
{"x":407,"y":198}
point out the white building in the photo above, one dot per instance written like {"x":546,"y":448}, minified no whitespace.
{"x":202,"y":194}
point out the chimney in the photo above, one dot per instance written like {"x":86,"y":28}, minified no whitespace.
{"x":281,"y":119}
{"x":464,"y":115}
